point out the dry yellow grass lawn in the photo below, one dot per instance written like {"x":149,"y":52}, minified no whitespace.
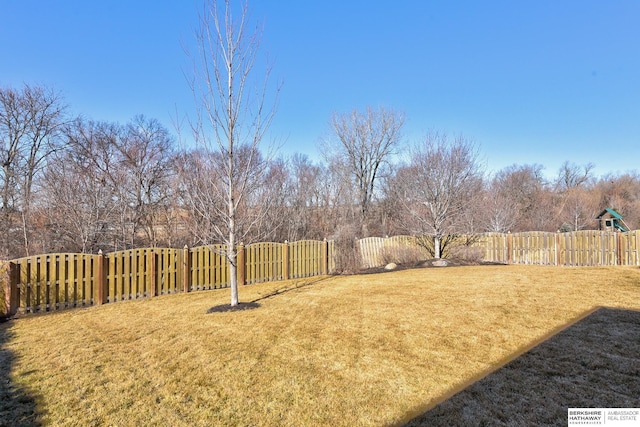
{"x":359,"y":350}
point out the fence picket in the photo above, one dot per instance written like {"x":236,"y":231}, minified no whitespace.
{"x":80,"y":280}
{"x":51,"y":283}
{"x":126,"y":261}
{"x":139,"y":256}
{"x":26,"y":289}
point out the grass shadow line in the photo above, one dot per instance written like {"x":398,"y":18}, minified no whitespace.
{"x":305,"y":284}
{"x":255,"y":303}
{"x":587,"y":362}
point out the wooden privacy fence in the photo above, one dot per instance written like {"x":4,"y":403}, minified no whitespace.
{"x":379,"y":251}
{"x":57,"y":281}
{"x":578,"y":248}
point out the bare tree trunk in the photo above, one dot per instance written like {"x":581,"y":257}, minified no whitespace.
{"x":232,"y":255}
{"x":232,"y":121}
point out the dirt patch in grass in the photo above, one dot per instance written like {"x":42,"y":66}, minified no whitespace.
{"x":226,"y":308}
{"x":594,"y":363}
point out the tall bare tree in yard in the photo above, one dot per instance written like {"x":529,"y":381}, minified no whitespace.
{"x":233,"y":114}
{"x":438,"y":186}
{"x":364,"y":143}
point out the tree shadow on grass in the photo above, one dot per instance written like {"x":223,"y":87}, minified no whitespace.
{"x":18,"y":406}
{"x":298,"y":286}
{"x":594,"y":363}
{"x":242,"y":306}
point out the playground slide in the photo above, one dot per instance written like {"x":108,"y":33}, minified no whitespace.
{"x":619,"y":226}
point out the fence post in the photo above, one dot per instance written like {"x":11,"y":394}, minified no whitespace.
{"x":151,"y":272}
{"x":241,"y":265}
{"x":285,"y":261}
{"x":557,"y":249}
{"x":509,"y":248}
{"x":619,"y":250}
{"x":101,"y":282}
{"x":325,"y":257}
{"x":11,"y":294}
{"x":186,"y":269}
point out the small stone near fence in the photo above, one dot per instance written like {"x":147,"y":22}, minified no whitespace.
{"x":440,"y":263}
{"x":391,"y":266}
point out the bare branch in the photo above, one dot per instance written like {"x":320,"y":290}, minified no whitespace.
{"x":365,"y":144}
{"x":439,"y":185}
{"x":231,"y":121}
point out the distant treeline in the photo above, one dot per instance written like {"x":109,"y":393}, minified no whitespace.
{"x":69,"y":184}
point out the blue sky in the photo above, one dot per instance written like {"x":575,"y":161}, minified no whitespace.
{"x":529,"y":81}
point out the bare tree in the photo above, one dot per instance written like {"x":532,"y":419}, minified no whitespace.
{"x":438,"y":186}
{"x":233,"y":116}
{"x":79,"y":208}
{"x":499,"y":214}
{"x":144,"y":161}
{"x":571,"y":175}
{"x":621,"y":192}
{"x":82,"y":186}
{"x":523,"y":191}
{"x":30,"y":125}
{"x":577,"y":207}
{"x":307,"y":200}
{"x":364,"y":143}
{"x":274,"y":192}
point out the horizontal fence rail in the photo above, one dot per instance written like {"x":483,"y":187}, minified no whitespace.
{"x":57,"y":281}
